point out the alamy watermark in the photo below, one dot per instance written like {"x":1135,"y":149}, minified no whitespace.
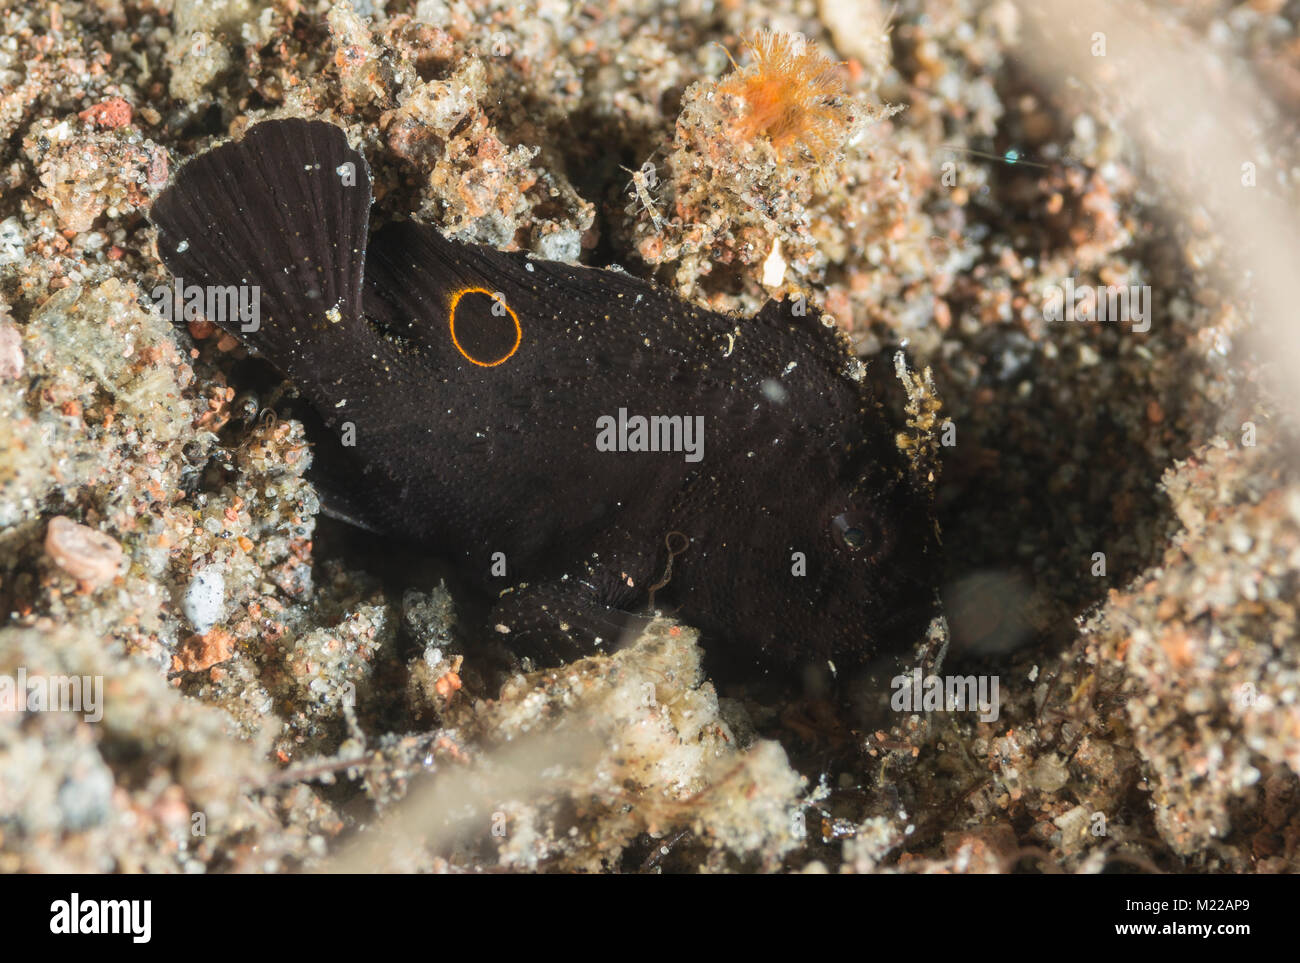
{"x":653,"y":433}
{"x":129,"y":917}
{"x":222,"y":304}
{"x":948,"y":693}
{"x":54,"y":693}
{"x":1102,"y":303}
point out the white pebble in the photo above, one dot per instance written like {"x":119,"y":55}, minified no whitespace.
{"x":205,"y":599}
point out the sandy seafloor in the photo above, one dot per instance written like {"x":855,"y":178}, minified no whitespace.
{"x":280,"y":694}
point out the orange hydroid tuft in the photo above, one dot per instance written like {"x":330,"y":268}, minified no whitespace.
{"x":793,"y":94}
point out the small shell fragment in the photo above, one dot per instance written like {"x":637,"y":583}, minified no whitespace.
{"x":774,"y":267}
{"x":81,"y":551}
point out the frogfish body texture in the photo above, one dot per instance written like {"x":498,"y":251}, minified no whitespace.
{"x":580,"y":443}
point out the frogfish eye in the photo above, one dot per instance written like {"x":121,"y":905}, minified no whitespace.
{"x":850,"y":530}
